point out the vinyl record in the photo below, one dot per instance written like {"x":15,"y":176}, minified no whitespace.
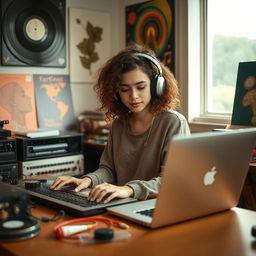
{"x":18,"y":229}
{"x":33,"y":32}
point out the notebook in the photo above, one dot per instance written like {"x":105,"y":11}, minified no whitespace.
{"x":203,"y":174}
{"x":74,"y":203}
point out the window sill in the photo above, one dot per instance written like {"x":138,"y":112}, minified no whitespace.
{"x":203,"y":124}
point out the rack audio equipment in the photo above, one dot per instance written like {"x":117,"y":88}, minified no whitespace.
{"x":3,"y":132}
{"x":15,"y":220}
{"x":68,"y":165}
{"x":7,"y":150}
{"x":49,"y":147}
{"x":9,"y":173}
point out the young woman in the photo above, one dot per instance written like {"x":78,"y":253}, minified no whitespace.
{"x":139,"y":96}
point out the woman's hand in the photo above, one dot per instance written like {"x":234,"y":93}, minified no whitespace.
{"x":79,"y":184}
{"x":110,"y":192}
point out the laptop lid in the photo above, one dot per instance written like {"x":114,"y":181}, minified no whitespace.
{"x":204,"y":173}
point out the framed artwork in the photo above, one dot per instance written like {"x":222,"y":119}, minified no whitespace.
{"x":89,"y":35}
{"x":152,"y":24}
{"x":54,"y":102}
{"x":244,"y":108}
{"x":17,"y":102}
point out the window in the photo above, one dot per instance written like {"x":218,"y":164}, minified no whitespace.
{"x":221,"y":34}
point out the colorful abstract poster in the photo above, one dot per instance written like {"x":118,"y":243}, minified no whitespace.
{"x":17,"y":102}
{"x":152,"y":24}
{"x":54,"y":102}
{"x":244,"y":108}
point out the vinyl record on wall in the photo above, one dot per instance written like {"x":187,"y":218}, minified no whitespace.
{"x":33,"y":33}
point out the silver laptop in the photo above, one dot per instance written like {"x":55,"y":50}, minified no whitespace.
{"x":203,"y":173}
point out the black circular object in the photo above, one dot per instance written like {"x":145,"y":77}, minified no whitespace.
{"x":18,"y":229}
{"x":33,"y":31}
{"x":103,"y":234}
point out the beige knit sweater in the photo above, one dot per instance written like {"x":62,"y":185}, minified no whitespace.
{"x":126,"y":160}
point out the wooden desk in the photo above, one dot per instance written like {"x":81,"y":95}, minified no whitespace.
{"x":226,"y":233}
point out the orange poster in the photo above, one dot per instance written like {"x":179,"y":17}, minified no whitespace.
{"x":17,"y":101}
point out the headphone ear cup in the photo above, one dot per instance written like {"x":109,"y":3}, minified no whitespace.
{"x":157,"y":86}
{"x":153,"y":85}
{"x":117,"y":96}
{"x":160,"y":86}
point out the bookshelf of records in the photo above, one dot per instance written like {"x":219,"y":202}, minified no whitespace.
{"x":94,"y":126}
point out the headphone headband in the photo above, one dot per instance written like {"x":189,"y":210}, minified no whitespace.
{"x":157,"y":84}
{"x":152,"y":59}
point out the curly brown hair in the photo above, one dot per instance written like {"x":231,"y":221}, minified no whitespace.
{"x":125,"y":61}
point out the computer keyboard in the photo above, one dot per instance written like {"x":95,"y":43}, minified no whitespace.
{"x":65,"y":195}
{"x":73,"y":203}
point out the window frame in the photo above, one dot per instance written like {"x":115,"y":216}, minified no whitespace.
{"x":192,"y":71}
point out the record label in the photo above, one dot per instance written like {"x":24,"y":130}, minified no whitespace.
{"x":11,"y":224}
{"x":35,"y":29}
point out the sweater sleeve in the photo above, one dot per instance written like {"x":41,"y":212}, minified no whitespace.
{"x":150,"y":188}
{"x":143,"y":189}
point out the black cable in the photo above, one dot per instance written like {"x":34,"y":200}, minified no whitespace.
{"x":59,"y":215}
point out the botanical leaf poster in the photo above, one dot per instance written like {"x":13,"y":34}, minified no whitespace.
{"x":244,"y":108}
{"x":17,"y":102}
{"x":151,"y":23}
{"x":89,"y":43}
{"x":54,"y":102}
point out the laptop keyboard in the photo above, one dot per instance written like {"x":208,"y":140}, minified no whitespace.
{"x":64,"y":195}
{"x":148,"y":212}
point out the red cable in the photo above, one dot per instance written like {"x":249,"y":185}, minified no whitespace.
{"x":59,"y":233}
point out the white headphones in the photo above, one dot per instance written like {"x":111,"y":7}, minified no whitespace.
{"x":157,"y":85}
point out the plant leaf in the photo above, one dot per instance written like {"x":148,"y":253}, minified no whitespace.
{"x":94,"y":57}
{"x":86,"y":47}
{"x":94,"y":33}
{"x":86,"y":63}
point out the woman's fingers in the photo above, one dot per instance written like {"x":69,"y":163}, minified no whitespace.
{"x":96,"y":191}
{"x":62,"y":181}
{"x":84,"y":183}
{"x":108,"y":192}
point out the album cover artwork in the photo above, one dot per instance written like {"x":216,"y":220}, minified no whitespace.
{"x":152,"y":24}
{"x":244,"y":108}
{"x":17,"y":101}
{"x":54,"y":101}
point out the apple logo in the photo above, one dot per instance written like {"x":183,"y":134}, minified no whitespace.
{"x":209,"y":176}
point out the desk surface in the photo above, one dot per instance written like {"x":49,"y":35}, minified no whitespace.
{"x":225,"y":233}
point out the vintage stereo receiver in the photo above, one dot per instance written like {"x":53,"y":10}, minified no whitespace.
{"x":67,"y":143}
{"x":9,"y":173}
{"x":67,"y":165}
{"x":7,"y":150}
